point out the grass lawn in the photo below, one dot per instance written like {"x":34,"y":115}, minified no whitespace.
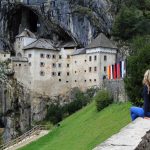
{"x":85,"y":129}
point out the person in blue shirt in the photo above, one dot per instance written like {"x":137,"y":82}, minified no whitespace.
{"x":143,"y":112}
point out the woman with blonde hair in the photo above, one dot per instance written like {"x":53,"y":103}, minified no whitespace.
{"x":143,"y":112}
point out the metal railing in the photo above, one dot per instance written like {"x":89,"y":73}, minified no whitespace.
{"x":34,"y":131}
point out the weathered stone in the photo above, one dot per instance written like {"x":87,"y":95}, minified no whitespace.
{"x":128,"y":138}
{"x":80,"y":19}
{"x":117,"y":89}
{"x":145,"y":143}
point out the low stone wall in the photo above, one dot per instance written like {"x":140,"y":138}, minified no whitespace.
{"x":129,"y":137}
{"x":117,"y":89}
{"x":145,"y":143}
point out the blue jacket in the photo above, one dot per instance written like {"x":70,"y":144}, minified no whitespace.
{"x":146,"y":98}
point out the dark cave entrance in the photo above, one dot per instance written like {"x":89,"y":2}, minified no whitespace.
{"x":33,"y":21}
{"x":21,"y":18}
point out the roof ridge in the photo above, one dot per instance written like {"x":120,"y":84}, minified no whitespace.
{"x":102,"y":41}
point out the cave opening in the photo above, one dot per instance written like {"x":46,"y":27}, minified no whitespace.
{"x":21,"y":18}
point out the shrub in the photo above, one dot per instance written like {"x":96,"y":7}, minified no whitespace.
{"x":54,"y":113}
{"x":74,"y":106}
{"x":103,"y":99}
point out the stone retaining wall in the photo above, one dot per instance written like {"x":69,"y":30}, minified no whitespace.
{"x":129,"y":137}
{"x":145,"y":143}
{"x":117,"y":89}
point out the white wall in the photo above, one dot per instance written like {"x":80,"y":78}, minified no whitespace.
{"x":4,"y":56}
{"x":78,"y":69}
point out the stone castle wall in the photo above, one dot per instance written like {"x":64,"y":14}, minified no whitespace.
{"x":117,"y":89}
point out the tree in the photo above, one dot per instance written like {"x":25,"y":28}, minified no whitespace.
{"x":125,"y":22}
{"x":137,"y":63}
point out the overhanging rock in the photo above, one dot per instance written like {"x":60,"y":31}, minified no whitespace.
{"x":128,"y":138}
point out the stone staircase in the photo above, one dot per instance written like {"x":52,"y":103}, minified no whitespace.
{"x":29,"y":136}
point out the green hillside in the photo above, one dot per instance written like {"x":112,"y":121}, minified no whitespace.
{"x":85,"y":129}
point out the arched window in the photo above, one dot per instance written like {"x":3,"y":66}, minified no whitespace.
{"x":19,"y":55}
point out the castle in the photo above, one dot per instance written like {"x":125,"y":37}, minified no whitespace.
{"x":53,"y":68}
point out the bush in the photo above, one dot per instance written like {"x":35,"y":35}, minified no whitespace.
{"x":74,"y":106}
{"x":54,"y":113}
{"x":102,"y":99}
{"x":80,"y":100}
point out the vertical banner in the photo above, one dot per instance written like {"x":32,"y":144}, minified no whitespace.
{"x":107,"y":72}
{"x":111,"y":72}
{"x":115,"y":72}
{"x":123,"y":69}
{"x":118,"y":70}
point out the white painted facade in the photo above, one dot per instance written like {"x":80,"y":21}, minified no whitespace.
{"x":4,"y":56}
{"x":20,"y":43}
{"x":57,"y":71}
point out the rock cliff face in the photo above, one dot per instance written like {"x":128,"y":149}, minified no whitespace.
{"x":20,"y":108}
{"x":82,"y":19}
{"x":59,"y":20}
{"x":14,"y":104}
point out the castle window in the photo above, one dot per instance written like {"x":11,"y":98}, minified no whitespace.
{"x":68,"y":73}
{"x":67,"y":65}
{"x":85,"y":60}
{"x":104,"y":68}
{"x":105,"y":58}
{"x":19,"y":55}
{"x":90,"y":58}
{"x":59,"y":80}
{"x":95,"y":68}
{"x":54,"y":56}
{"x":4,"y":55}
{"x":19,"y":65}
{"x":29,"y":63}
{"x":42,"y":73}
{"x":75,"y":81}
{"x":42,"y":64}
{"x":29,"y":55}
{"x":53,"y":74}
{"x":84,"y":70}
{"x":75,"y":62}
{"x":42,"y":55}
{"x":59,"y":65}
{"x":84,"y":80}
{"x":90,"y":69}
{"x":48,"y":56}
{"x":59,"y":73}
{"x":54,"y":65}
{"x":75,"y":71}
{"x":68,"y":56}
{"x":90,"y":80}
{"x":67,"y":81}
{"x":95,"y":57}
{"x":16,"y":64}
{"x":94,"y":80}
{"x":60,"y":57}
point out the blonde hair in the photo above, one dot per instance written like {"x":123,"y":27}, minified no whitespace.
{"x":146,"y":79}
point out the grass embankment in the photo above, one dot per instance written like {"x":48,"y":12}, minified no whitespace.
{"x":84,"y":129}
